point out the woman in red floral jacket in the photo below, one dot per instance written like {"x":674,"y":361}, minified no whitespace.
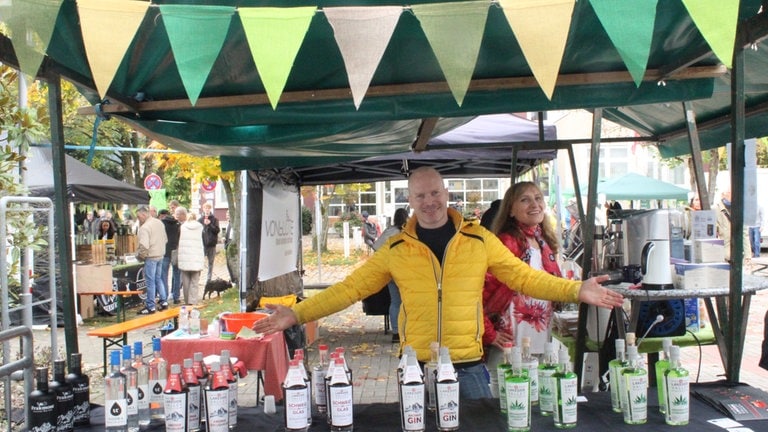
{"x":522,"y":225}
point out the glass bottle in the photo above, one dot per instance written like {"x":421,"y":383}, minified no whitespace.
{"x":328,"y":375}
{"x":634,"y":400}
{"x":340,"y":402}
{"x":115,"y":397}
{"x":194,"y":322}
{"x":566,"y":391}
{"x":298,"y":354}
{"x":517,"y":386}
{"x":202,"y":377}
{"x":229,"y":373}
{"x":340,"y":351}
{"x":81,"y":388}
{"x":446,"y":393}
{"x":318,"y":378}
{"x":615,"y":367}
{"x":158,"y":375}
{"x":189,"y":375}
{"x":412,"y":397}
{"x":142,"y":383}
{"x":65,"y":398}
{"x":531,"y":365}
{"x":217,"y":400}
{"x":295,"y":397}
{"x":501,"y":373}
{"x":184,"y":319}
{"x":131,"y":389}
{"x":677,"y":390}
{"x":546,"y":383}
{"x":42,"y":404}
{"x":176,"y":401}
{"x":661,"y":366}
{"x":429,"y":374}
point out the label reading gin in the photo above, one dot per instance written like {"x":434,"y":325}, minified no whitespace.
{"x":116,"y":413}
{"x":567,"y":392}
{"x":217,"y":414}
{"x":678,"y":400}
{"x":175,"y":412}
{"x":518,"y":405}
{"x":447,"y":396}
{"x":341,"y":406}
{"x":295,"y":408}
{"x":413,"y":407}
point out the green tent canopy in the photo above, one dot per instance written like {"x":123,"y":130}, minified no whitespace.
{"x":633,"y":186}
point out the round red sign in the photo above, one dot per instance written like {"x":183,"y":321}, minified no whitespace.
{"x":208,"y":185}
{"x":153,"y":182}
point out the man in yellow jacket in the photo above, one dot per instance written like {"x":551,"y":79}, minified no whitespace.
{"x":439,"y":262}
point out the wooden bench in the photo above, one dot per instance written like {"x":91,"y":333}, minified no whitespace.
{"x":117,"y":334}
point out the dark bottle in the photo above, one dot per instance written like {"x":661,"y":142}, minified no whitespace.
{"x":42,"y":404}
{"x":217,"y":401}
{"x":193,"y":386}
{"x":81,"y":388}
{"x":65,"y":398}
{"x":176,"y":402}
{"x":201,"y":370}
{"x":229,"y":372}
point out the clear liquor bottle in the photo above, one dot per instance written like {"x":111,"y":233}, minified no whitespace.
{"x":615,"y":367}
{"x":81,"y":388}
{"x":566,"y":391}
{"x":318,"y":378}
{"x":518,"y":394}
{"x":340,"y":402}
{"x":184,"y":319}
{"x":65,"y":398}
{"x":202,"y":377}
{"x":158,"y":376}
{"x":229,"y":372}
{"x":634,"y":400}
{"x":501,"y":373}
{"x":217,"y":400}
{"x":115,"y":397}
{"x":176,"y":401}
{"x":340,"y":351}
{"x":142,"y":383}
{"x":429,"y":375}
{"x":677,"y":390}
{"x":298,"y":354}
{"x":328,"y":375}
{"x":531,"y":365}
{"x":42,"y":404}
{"x":189,"y":375}
{"x":446,"y":393}
{"x":295,"y":396}
{"x":412,"y":394}
{"x":661,"y":366}
{"x":546,"y":383}
{"x":131,"y":389}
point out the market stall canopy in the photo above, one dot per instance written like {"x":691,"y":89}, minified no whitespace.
{"x":297,"y":85}
{"x":633,"y":186}
{"x":84,"y":184}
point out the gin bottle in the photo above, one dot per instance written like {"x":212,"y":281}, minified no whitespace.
{"x":81,"y":388}
{"x":42,"y":404}
{"x":429,"y":374}
{"x":328,"y":375}
{"x":131,"y":389}
{"x":518,"y":394}
{"x":531,"y":365}
{"x":446,"y":393}
{"x":661,"y":366}
{"x":176,"y":401}
{"x":217,"y":401}
{"x":65,"y":398}
{"x":634,"y":400}
{"x":566,"y":391}
{"x":412,"y":397}
{"x":295,"y":396}
{"x":229,"y":374}
{"x":318,"y":378}
{"x":546,"y":383}
{"x":201,"y":371}
{"x":501,"y":371}
{"x":158,"y":375}
{"x":677,"y":390}
{"x":115,"y":397}
{"x":142,"y":380}
{"x":298,"y":354}
{"x":340,"y":402}
{"x":194,"y":390}
{"x":615,"y":367}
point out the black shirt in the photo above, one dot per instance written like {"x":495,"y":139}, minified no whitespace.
{"x":437,"y":238}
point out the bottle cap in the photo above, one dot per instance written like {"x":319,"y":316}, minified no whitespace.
{"x":620,"y":346}
{"x":126,"y":352}
{"x":674,"y":353}
{"x":526,"y":341}
{"x":187,"y":363}
{"x":156,"y":344}
{"x":114,"y":358}
{"x":175,"y":368}
{"x":322,"y":347}
{"x":137,"y":348}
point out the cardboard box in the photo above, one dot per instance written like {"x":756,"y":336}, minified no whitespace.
{"x":699,"y":276}
{"x":86,"y":306}
{"x":708,"y":251}
{"x":93,"y":278}
{"x":703,"y":224}
{"x":692,"y":317}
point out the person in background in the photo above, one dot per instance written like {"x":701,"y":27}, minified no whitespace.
{"x":191,"y":253}
{"x":175,"y":273}
{"x":96,"y":225}
{"x":106,"y":231}
{"x":171,"y":255}
{"x":509,"y":316}
{"x":693,"y":205}
{"x":438,"y":262}
{"x":489,"y":214}
{"x":398,"y":222}
{"x":88,"y":223}
{"x":210,"y":236}
{"x":723,"y":208}
{"x":152,"y":240}
{"x":229,"y":234}
{"x":370,"y":232}
{"x":755,"y":236}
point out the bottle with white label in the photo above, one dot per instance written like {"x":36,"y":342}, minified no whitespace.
{"x":446,"y":393}
{"x":229,"y":372}
{"x":615,"y":367}
{"x":217,"y":400}
{"x":158,"y":375}
{"x":115,"y":397}
{"x":318,"y":378}
{"x":328,"y":375}
{"x":566,"y":391}
{"x":189,"y":375}
{"x":531,"y":365}
{"x":661,"y":366}
{"x":176,"y":401}
{"x":412,"y":395}
{"x":546,"y":383}
{"x":429,"y":375}
{"x":634,"y":400}
{"x":340,"y":402}
{"x":298,"y":354}
{"x":501,"y":373}
{"x":142,"y":380}
{"x":131,"y":388}
{"x":677,"y":390}
{"x":201,"y":371}
{"x":517,"y":386}
{"x":295,"y":396}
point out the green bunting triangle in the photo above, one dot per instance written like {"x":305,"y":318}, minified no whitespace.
{"x":629,"y":24}
{"x":274,"y":37}
{"x":31,"y":24}
{"x":717,"y":21}
{"x":456,"y":51}
{"x":197,"y":34}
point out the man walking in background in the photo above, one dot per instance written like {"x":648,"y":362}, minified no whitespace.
{"x":210,"y":236}
{"x":152,"y":240}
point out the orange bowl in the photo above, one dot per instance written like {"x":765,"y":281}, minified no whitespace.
{"x":233,"y":322}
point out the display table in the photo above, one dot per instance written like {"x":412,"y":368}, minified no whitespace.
{"x":484,"y":415}
{"x":269,"y":355}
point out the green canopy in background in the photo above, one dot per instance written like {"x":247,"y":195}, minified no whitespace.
{"x":633,"y":186}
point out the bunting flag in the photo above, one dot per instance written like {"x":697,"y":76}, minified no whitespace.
{"x":629,"y":24}
{"x":31,"y":24}
{"x":362,"y":34}
{"x":274,"y":37}
{"x":717,"y":21}
{"x":456,"y":51}
{"x":197,"y":34}
{"x":541,"y":28}
{"x":120,"y":19}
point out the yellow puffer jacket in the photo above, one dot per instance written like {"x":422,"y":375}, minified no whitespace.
{"x":439,"y":303}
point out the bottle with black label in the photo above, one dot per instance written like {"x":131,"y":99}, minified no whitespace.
{"x":176,"y":402}
{"x":131,"y":388}
{"x":42,"y":404}
{"x":142,"y":379}
{"x":81,"y":388}
{"x":65,"y":398}
{"x":295,"y":396}
{"x":446,"y":393}
{"x":340,"y":402}
{"x":217,"y":400}
{"x":115,"y":397}
{"x":193,"y":387}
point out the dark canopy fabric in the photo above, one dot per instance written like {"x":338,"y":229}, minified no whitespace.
{"x":84,"y":184}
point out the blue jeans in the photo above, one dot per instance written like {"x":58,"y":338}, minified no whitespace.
{"x":754,"y":238}
{"x":473,"y":382}
{"x":155,"y":285}
{"x":176,"y":275}
{"x":394,"y":305}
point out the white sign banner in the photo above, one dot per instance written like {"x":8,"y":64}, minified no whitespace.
{"x":279,"y":233}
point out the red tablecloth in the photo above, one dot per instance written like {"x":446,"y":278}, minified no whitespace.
{"x":269,"y":355}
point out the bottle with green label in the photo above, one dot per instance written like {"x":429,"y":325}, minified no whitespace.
{"x":661,"y":366}
{"x":517,"y":386}
{"x":546,"y":383}
{"x":501,"y":373}
{"x":615,"y":367}
{"x":677,"y":390}
{"x":531,"y":365}
{"x":634,"y":395}
{"x":566,"y":391}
